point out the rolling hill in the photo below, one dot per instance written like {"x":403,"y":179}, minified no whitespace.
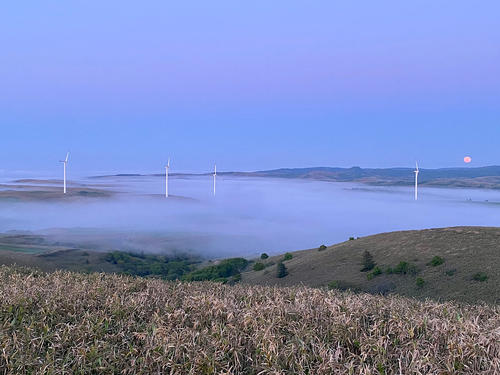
{"x":458,"y":263}
{"x":469,"y":255}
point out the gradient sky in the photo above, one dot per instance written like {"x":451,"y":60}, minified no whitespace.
{"x":250,"y":85}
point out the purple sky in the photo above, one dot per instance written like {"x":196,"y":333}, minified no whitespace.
{"x":253,"y":85}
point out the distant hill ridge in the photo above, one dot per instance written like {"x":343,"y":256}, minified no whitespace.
{"x":476,"y":177}
{"x":358,"y":172}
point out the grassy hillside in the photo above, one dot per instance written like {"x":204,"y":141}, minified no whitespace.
{"x":71,"y":259}
{"x":69,"y":323}
{"x":465,"y":251}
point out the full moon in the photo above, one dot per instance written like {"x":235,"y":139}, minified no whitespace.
{"x":467,"y":159}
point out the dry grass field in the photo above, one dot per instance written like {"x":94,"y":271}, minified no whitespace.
{"x":73,"y":323}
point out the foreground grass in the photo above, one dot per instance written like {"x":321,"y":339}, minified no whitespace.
{"x":70,"y":323}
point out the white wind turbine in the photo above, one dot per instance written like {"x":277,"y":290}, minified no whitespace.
{"x":167,"y":168}
{"x":215,"y":176}
{"x":416,"y":181}
{"x":65,"y":162}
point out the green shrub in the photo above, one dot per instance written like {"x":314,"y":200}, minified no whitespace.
{"x":367,"y":262}
{"x":389,"y":270}
{"x":351,"y":238}
{"x":404,"y":268}
{"x":287,"y":256}
{"x":258,"y":266}
{"x":281,"y":270}
{"x":321,"y":248}
{"x":480,"y":276}
{"x":376,"y":271}
{"x":226,"y":268}
{"x":334,"y":284}
{"x":451,"y":272}
{"x":264,"y":256}
{"x":420,"y":282}
{"x":436,"y":261}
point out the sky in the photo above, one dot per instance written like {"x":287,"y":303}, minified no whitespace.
{"x":255,"y":85}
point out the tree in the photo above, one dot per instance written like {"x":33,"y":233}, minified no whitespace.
{"x":264,"y":256}
{"x":368,"y":262}
{"x":281,"y":270}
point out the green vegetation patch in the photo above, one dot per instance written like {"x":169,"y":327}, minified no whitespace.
{"x":436,"y":261}
{"x":225,"y":269}
{"x":404,"y":268}
{"x":258,"y":266}
{"x":450,"y":272}
{"x":169,"y":268}
{"x":287,"y":256}
{"x":22,"y":249}
{"x":376,"y":271}
{"x":264,"y":256}
{"x":321,"y":248}
{"x":420,"y":282}
{"x":480,"y":276}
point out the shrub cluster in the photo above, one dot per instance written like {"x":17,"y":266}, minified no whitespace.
{"x":321,"y":248}
{"x":219,"y":272}
{"x":258,"y":266}
{"x":420,"y":282}
{"x":376,"y":271}
{"x":264,"y":256}
{"x":480,"y":276}
{"x":451,"y":272}
{"x":170,"y":268}
{"x":404,"y":268}
{"x":287,"y":256}
{"x":436,"y":261}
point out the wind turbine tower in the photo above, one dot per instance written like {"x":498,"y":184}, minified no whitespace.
{"x":167,"y":168}
{"x":65,"y":162}
{"x":416,"y":181}
{"x":215,"y":177}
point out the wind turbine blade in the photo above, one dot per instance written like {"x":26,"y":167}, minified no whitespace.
{"x":67,"y":157}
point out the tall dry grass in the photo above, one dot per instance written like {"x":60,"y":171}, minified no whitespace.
{"x":69,"y":323}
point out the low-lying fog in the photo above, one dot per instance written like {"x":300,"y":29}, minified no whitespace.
{"x":248,"y":215}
